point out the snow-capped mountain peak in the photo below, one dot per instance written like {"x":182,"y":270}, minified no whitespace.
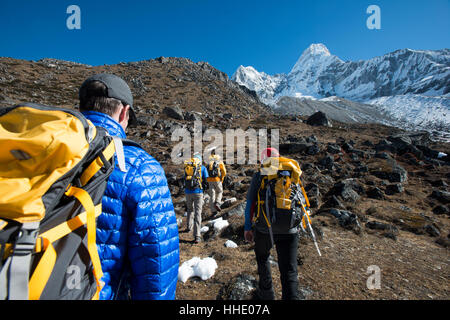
{"x":319,"y":74}
{"x":314,"y":55}
{"x":263,"y":84}
{"x":248,"y":73}
{"x":316,"y":49}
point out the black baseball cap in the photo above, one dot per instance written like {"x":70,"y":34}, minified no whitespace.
{"x":118,"y":89}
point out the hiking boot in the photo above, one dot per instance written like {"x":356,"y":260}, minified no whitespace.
{"x":197,"y":240}
{"x":217,"y":207}
{"x":187,"y":230}
{"x":264,"y":294}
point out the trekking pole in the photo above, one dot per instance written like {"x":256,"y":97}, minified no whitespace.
{"x":297,"y":195}
{"x":310,"y":228}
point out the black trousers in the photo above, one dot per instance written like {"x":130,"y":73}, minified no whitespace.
{"x":286,"y":246}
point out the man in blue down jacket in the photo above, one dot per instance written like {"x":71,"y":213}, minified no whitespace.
{"x":137,"y":233}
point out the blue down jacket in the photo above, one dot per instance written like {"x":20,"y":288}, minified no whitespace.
{"x":137,"y":233}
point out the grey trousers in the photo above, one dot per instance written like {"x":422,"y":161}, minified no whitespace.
{"x":194,"y":202}
{"x":215,"y":192}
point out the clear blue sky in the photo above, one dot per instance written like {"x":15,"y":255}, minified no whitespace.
{"x":269,"y":35}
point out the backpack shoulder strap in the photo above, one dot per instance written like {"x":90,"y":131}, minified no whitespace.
{"x":119,"y":143}
{"x":18,"y":263}
{"x":128,"y":142}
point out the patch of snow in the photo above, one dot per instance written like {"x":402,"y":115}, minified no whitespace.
{"x":219,"y":225}
{"x":196,"y":267}
{"x":212,"y":222}
{"x":230,"y":244}
{"x":186,"y":271}
{"x":204,"y":229}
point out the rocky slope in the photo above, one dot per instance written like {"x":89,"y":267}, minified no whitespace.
{"x":156,"y":84}
{"x":379,"y":195}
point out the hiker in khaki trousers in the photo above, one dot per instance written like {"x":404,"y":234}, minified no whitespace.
{"x":216,"y":173}
{"x":194,"y":201}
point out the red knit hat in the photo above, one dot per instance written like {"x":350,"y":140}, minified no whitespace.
{"x":269,"y":152}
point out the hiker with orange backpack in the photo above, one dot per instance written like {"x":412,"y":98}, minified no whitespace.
{"x":217,"y":173}
{"x":272,"y":218}
{"x":195,"y":183}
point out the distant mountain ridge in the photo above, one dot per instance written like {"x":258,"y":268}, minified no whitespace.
{"x":318,"y":74}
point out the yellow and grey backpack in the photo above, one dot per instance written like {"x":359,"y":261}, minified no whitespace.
{"x":282,"y":203}
{"x":214,"y":167}
{"x":193,"y":174}
{"x":54,"y":167}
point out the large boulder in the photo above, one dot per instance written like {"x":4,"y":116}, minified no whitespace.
{"x":229,"y":180}
{"x":444,"y":242}
{"x":375,"y":193}
{"x":174,"y":112}
{"x":333,"y":202}
{"x":348,"y":190}
{"x":419,"y":137}
{"x":312,"y":190}
{"x":432,"y":230}
{"x":234,"y":231}
{"x":346,"y":219}
{"x":385,"y":145}
{"x":403,"y":144}
{"x":398,"y":174}
{"x":333,"y":148}
{"x":295,"y":147}
{"x":192,"y":116}
{"x":319,"y":119}
{"x":238,"y":210}
{"x":392,"y":189}
{"x":376,"y":225}
{"x":164,"y":125}
{"x":147,"y":121}
{"x":441,"y":209}
{"x":313,"y":149}
{"x":228,"y":203}
{"x":428,"y":152}
{"x":441,"y":196}
{"x":388,"y":230}
{"x":394,"y":173}
{"x":327,"y":162}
